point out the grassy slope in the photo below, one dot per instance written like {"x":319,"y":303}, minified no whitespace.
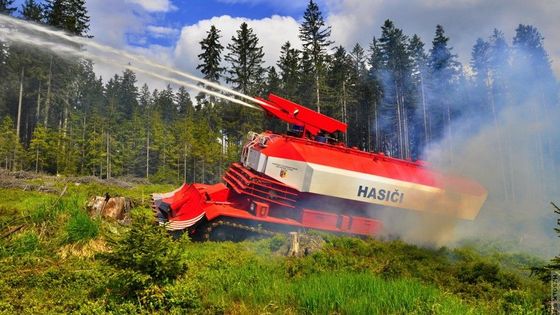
{"x":52,"y":266}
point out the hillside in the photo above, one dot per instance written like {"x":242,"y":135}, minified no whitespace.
{"x":63,"y":261}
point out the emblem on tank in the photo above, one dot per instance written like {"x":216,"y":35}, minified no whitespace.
{"x":283,"y":173}
{"x":394,"y":196}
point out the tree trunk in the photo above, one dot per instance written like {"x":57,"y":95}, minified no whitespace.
{"x":148,"y":155}
{"x":203,"y":171}
{"x":368,"y":138}
{"x":377,"y":140}
{"x":194,"y":169}
{"x":317,"y":90}
{"x":48,"y":100}
{"x":37,"y":160}
{"x":18,"y":124}
{"x":58,"y":146}
{"x":83,"y":144}
{"x":108,"y":158}
{"x":38,"y":111}
{"x":499,"y":144}
{"x":344,"y":112}
{"x":185,"y":164}
{"x":399,"y":121}
{"x":424,"y":111}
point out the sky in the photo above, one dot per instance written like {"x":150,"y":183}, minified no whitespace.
{"x":169,"y":31}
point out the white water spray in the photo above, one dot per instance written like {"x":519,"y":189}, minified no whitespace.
{"x":26,"y":32}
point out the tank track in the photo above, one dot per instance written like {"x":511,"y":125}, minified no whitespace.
{"x":233,"y":228}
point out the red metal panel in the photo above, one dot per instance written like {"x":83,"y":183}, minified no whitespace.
{"x":261,"y":209}
{"x":365,"y":226}
{"x":319,"y":219}
{"x":308,"y":116}
{"x":344,"y":222}
{"x":218,"y":192}
{"x":296,"y":114}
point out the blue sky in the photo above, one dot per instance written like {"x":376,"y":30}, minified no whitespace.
{"x":189,"y":12}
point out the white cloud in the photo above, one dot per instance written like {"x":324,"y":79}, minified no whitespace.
{"x":272,"y":32}
{"x":162,"y":31}
{"x":112,"y":24}
{"x":123,"y":24}
{"x":154,"y":5}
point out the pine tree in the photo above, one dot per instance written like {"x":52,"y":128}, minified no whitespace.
{"x":32,"y":11}
{"x":358,"y":108}
{"x":6,"y":7}
{"x":39,"y":147}
{"x":420,"y":75}
{"x":272,"y":81}
{"x":444,"y":74}
{"x":211,"y":56}
{"x":288,"y":63}
{"x":273,"y":85}
{"x":184,"y":103}
{"x":8,"y":140}
{"x":246,"y":73}
{"x":145,"y":99}
{"x":246,"y":61}
{"x":339,"y":76}
{"x":397,"y":66}
{"x":375,"y":77}
{"x":127,"y":99}
{"x":165,"y":105}
{"x":480,"y":65}
{"x":69,"y":15}
{"x":533,"y":82}
{"x":315,"y":38}
{"x":480,"y":60}
{"x":531,"y":61}
{"x":306,"y":88}
{"x":498,"y":64}
{"x":210,"y":65}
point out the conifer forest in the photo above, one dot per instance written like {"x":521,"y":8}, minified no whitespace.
{"x":398,"y":94}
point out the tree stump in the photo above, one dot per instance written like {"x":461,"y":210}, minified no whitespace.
{"x":117,"y":208}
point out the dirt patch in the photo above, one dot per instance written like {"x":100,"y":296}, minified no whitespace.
{"x":23,"y":180}
{"x":31,"y":181}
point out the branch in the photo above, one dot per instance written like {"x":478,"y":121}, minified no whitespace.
{"x":557,"y":210}
{"x":12,"y":231}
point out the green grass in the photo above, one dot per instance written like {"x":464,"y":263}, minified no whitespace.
{"x":364,"y":293}
{"x":57,"y":263}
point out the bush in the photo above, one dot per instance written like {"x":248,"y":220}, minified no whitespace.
{"x":149,"y":250}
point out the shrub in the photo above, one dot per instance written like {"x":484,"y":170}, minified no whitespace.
{"x":149,"y":250}
{"x":182,"y":296}
{"x":276,"y":242}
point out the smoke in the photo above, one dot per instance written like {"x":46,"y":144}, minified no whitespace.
{"x":64,"y":45}
{"x":515,"y":155}
{"x":507,"y":157}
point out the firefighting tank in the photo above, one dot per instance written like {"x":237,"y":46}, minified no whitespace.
{"x":305,"y":179}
